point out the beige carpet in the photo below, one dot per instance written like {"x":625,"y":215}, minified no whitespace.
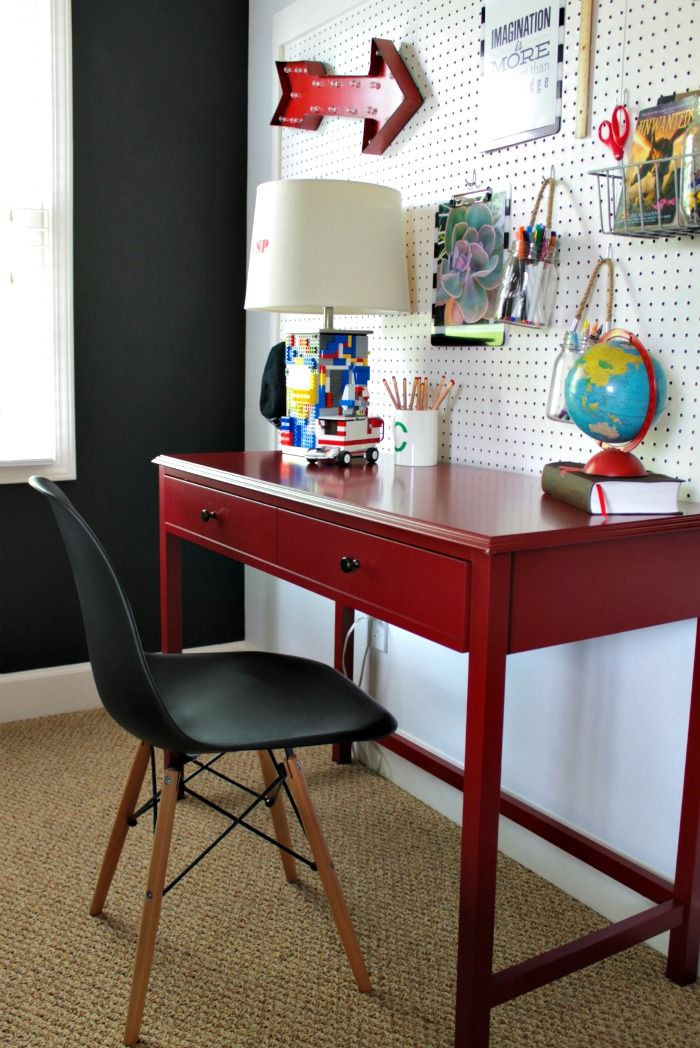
{"x":245,"y":960}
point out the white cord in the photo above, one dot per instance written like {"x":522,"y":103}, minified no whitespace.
{"x":364,"y":618}
{"x":348,"y":635}
{"x":623,"y":98}
{"x":364,"y":663}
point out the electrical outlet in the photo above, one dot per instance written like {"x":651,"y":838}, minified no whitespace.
{"x":378,"y":635}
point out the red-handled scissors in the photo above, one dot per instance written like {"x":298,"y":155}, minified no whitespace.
{"x":613,"y":133}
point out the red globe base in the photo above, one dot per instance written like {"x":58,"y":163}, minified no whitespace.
{"x":613,"y":463}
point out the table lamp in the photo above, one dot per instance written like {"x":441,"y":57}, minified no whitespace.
{"x":325,"y":246}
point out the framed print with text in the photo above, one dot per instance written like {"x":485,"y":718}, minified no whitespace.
{"x":522,"y":48}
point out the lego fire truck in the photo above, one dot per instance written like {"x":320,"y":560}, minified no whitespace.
{"x":340,"y":438}
{"x":353,"y":432}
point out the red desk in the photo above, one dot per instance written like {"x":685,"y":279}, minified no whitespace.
{"x":476,"y":560}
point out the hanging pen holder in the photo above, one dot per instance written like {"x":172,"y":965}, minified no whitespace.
{"x":577,"y":342}
{"x":529,"y":283}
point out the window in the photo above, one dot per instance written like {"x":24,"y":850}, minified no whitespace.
{"x":36,"y":300}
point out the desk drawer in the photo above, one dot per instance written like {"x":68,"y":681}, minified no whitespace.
{"x":240,"y":525}
{"x":425,"y":592}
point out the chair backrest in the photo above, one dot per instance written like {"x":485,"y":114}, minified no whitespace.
{"x":121,"y":673}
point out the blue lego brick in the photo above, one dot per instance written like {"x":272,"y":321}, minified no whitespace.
{"x":298,"y":360}
{"x":299,"y":430}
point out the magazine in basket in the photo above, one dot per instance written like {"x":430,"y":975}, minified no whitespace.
{"x":649,"y":189}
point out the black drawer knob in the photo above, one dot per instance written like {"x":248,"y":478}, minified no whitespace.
{"x":348,"y":564}
{"x":208,"y":514}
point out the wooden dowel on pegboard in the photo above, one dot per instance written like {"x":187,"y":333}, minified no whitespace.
{"x":583,"y":82}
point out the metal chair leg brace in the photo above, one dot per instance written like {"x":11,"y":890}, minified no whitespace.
{"x":236,"y":820}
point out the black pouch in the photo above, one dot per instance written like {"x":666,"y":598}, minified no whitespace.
{"x":273,"y":392}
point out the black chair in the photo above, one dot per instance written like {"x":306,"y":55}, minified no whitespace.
{"x":194,"y":704}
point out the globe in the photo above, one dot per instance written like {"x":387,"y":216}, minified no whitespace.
{"x":608,"y":392}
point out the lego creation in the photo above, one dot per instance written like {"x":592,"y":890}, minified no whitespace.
{"x":327,"y":400}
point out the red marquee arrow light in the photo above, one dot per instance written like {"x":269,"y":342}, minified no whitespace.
{"x":385,"y":99}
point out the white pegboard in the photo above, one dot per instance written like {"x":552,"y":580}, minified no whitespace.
{"x":496,"y":416}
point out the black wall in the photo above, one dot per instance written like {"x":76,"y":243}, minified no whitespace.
{"x":159,"y":118}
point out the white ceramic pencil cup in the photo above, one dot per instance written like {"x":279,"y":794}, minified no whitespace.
{"x":416,"y":438}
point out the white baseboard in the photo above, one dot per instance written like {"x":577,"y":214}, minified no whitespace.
{"x":59,"y":689}
{"x":612,"y":900}
{"x":39,"y":693}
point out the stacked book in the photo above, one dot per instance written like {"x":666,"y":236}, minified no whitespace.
{"x":652,"y":493}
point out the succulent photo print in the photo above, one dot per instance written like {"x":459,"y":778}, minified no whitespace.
{"x":471,"y":244}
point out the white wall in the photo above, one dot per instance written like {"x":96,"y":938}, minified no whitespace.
{"x":278,"y":616}
{"x":261,"y":328}
{"x":594,"y":732}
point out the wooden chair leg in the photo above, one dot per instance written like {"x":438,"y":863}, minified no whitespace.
{"x":126,"y":809}
{"x":329,"y":879}
{"x":279,"y":816}
{"x":152,"y":903}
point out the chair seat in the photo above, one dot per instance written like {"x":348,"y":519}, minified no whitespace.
{"x":254,"y":700}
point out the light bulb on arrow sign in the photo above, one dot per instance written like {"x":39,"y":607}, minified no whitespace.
{"x":385,"y":99}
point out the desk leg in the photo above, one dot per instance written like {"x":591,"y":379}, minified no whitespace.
{"x":170,"y":593}
{"x":482,"y":783}
{"x":684,"y":943}
{"x":170,"y":580}
{"x":344,"y":618}
{"x":170,"y":599}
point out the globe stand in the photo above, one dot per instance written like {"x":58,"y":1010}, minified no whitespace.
{"x":618,"y":462}
{"x":615,"y":462}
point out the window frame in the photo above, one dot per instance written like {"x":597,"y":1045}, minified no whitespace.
{"x":63,"y":465}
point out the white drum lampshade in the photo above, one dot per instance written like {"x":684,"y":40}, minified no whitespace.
{"x":321,"y":244}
